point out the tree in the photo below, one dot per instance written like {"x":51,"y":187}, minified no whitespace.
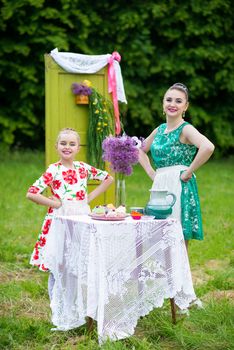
{"x":160,"y":43}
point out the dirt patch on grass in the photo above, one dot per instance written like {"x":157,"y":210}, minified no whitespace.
{"x":26,"y":307}
{"x":216,"y":264}
{"x":202,"y":274}
{"x":205,"y":273}
{"x":200,"y":277}
{"x":15,"y":273}
{"x":20,"y":303}
{"x":169,"y":345}
{"x":219,"y":294}
{"x":74,"y":341}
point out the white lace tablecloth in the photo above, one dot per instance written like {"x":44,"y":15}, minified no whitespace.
{"x":115,"y":271}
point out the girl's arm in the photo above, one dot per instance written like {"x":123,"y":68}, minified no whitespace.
{"x":34,"y":192}
{"x":100,"y":188}
{"x":42,"y":200}
{"x":205,"y":150}
{"x":144,"y":159}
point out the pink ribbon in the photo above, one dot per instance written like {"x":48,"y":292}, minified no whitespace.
{"x":112,"y":88}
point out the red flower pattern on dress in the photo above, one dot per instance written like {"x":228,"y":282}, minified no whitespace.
{"x":65,"y":184}
{"x":36,"y":256}
{"x":46,"y":227}
{"x":43,"y":267}
{"x":80,"y":195}
{"x":56,"y":184}
{"x":50,"y":210}
{"x":55,"y":195}
{"x":83,"y":173}
{"x":33,"y":189}
{"x":70,"y":176}
{"x":47,"y":177}
{"x":42,"y":241}
{"x":93,"y":171}
{"x":58,"y":163}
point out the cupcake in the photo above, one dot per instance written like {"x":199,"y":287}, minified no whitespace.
{"x":98,"y":210}
{"x":121,"y":210}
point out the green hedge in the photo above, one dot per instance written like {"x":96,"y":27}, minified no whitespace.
{"x":160,"y":43}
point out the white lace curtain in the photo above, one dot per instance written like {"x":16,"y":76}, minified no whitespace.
{"x":89,"y":64}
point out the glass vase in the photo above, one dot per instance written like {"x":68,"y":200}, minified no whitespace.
{"x":120,"y":190}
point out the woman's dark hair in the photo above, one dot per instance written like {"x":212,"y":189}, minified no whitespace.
{"x":181,"y":87}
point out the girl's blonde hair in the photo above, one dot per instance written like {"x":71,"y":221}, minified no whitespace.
{"x":68,"y":131}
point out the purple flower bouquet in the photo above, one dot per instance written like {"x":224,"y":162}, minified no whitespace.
{"x":121,"y":152}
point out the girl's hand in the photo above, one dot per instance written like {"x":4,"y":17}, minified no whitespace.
{"x":186,"y":176}
{"x":56,"y":202}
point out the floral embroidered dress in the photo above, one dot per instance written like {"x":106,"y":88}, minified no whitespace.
{"x":68,"y":185}
{"x":171,"y":158}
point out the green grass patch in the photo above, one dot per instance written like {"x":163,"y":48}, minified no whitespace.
{"x":209,"y":328}
{"x":25,"y":313}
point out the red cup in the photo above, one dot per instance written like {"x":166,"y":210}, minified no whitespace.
{"x":135,"y":216}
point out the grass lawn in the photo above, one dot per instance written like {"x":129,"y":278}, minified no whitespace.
{"x":25,"y":313}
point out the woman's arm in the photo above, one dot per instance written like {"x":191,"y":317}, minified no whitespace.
{"x":144,"y":159}
{"x":146,"y":165}
{"x":100,"y":188}
{"x":148,"y":141}
{"x":205,"y":150}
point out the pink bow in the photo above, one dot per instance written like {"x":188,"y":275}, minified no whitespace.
{"x":113,"y":88}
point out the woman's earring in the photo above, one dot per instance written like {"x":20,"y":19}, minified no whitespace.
{"x":183,"y":114}
{"x":164,"y":113}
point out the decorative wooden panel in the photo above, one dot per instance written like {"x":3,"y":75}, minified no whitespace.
{"x":62,"y":112}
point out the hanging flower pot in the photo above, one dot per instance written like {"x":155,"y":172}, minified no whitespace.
{"x":82,"y":92}
{"x":82,"y":99}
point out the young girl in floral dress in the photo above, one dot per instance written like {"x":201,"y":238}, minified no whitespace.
{"x":67,"y":180}
{"x":178,"y":149}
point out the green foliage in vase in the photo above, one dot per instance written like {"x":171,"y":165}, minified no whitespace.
{"x":101,"y":124}
{"x":160,"y":43}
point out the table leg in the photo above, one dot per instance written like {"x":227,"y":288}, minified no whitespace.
{"x":173,"y":310}
{"x":89,"y":324}
{"x":168,"y":265}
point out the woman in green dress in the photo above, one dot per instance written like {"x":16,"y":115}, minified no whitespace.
{"x":178,"y":149}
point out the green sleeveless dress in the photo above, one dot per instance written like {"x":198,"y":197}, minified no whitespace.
{"x":170,"y":156}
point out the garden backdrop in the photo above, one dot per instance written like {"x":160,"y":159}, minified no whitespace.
{"x":161,"y":42}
